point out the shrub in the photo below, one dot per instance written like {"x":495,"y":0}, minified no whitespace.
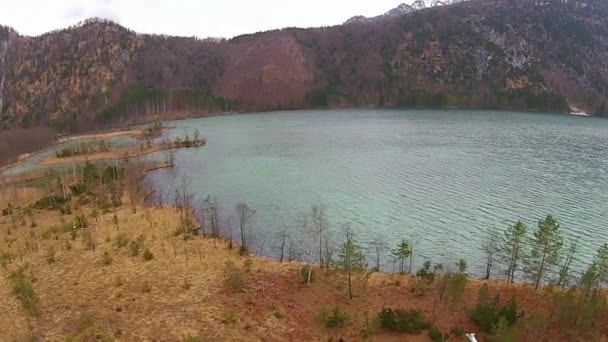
{"x":335,"y":318}
{"x":277,"y":314}
{"x":304,"y":272}
{"x":437,"y":335}
{"x":488,"y":312}
{"x":51,"y":202}
{"x":65,"y":210}
{"x":135,"y":247}
{"x":5,"y":259}
{"x":50,"y":255}
{"x":146,"y":288}
{"x":148,"y":255}
{"x":458,"y":331}
{"x":80,"y":221}
{"x":425,"y":272}
{"x":248,"y":264}
{"x":229,"y":317}
{"x":107,"y":258}
{"x":122,"y":240}
{"x":186,"y":284}
{"x":405,"y":321}
{"x":21,"y":286}
{"x":233,"y":277}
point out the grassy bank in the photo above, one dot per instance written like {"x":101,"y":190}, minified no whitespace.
{"x":95,"y":264}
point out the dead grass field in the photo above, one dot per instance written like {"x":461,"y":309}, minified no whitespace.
{"x":181,"y":292}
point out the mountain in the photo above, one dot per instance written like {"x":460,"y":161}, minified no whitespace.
{"x":403,"y":9}
{"x":516,"y":54}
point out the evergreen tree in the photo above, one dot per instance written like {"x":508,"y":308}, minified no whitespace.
{"x":564,"y":271}
{"x":511,"y":247}
{"x":590,"y":279}
{"x":350,"y":259}
{"x":546,"y":248}
{"x":601,"y":262}
{"x":401,"y":253}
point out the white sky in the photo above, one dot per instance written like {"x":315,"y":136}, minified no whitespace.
{"x":203,"y":18}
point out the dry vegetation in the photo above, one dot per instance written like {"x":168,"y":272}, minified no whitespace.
{"x":90,"y":268}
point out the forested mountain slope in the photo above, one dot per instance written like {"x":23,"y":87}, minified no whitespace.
{"x":513,"y":54}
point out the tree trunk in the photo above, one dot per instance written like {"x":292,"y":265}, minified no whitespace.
{"x":488,"y":268}
{"x":282,"y":248}
{"x":411,"y":258}
{"x":540,"y":270}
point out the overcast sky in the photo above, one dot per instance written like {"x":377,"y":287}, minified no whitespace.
{"x":203,"y":18}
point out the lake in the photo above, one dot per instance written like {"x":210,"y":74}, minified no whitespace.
{"x":439,"y":177}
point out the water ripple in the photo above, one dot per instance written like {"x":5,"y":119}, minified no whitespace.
{"x":438,"y":177}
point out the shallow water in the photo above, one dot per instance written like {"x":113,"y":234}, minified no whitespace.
{"x":439,"y":177}
{"x":33,"y":162}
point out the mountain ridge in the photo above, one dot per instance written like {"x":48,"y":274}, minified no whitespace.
{"x":511,"y":54}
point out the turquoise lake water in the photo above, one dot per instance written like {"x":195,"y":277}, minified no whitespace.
{"x":439,"y":177}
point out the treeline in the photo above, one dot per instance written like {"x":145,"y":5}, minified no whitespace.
{"x":140,"y":102}
{"x":541,"y":256}
{"x":520,"y":99}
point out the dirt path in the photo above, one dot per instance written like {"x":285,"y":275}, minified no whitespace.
{"x":132,"y":132}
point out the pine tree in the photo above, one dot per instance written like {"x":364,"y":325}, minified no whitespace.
{"x":601,"y":262}
{"x":402,"y":252}
{"x":511,"y":247}
{"x":546,"y":248}
{"x":564,"y":271}
{"x":350,"y":259}
{"x":589,"y":280}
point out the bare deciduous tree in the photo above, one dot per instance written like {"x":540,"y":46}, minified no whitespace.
{"x":210,"y":209}
{"x":282,"y":236}
{"x":244,"y":215}
{"x":319,"y":226}
{"x":183,"y":200}
{"x":489,"y":247}
{"x":378,"y":246}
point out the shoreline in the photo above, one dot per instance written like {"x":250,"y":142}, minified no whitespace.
{"x":135,"y":133}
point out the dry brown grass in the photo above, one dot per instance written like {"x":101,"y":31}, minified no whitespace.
{"x":79,"y":296}
{"x":182,"y":291}
{"x":20,"y":196}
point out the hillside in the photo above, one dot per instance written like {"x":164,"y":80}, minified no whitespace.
{"x":82,"y":259}
{"x":513,"y":54}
